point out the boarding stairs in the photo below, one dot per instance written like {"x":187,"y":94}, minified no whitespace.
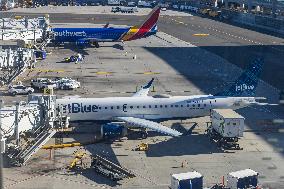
{"x":8,"y":75}
{"x":98,"y":160}
{"x":25,"y":154}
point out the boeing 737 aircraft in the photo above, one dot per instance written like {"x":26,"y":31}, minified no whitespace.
{"x":108,"y":34}
{"x":140,"y":110}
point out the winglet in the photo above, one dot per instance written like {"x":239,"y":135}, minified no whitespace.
{"x":149,"y":84}
{"x":144,"y":89}
{"x":106,"y":26}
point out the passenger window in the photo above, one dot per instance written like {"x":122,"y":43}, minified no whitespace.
{"x":172,"y":106}
{"x":106,"y":108}
{"x":161,"y":106}
{"x":204,"y":105}
{"x":193,"y":105}
{"x":156,"y":106}
{"x":131,"y":107}
{"x":176,"y":106}
{"x":137,"y":106}
{"x":181,"y":105}
{"x":111,"y":107}
{"x":144,"y":106}
{"x":117,"y":107}
{"x":198,"y":105}
{"x":166,"y":106}
{"x":150,"y":106}
{"x":187,"y":105}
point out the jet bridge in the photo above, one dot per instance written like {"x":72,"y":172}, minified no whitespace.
{"x":26,"y":127}
{"x":14,"y":62}
{"x":32,"y":33}
{"x":35,"y":31}
{"x":25,"y":23}
{"x":28,"y":35}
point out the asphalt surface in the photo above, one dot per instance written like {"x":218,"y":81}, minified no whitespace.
{"x":235,"y":44}
{"x":110,"y":71}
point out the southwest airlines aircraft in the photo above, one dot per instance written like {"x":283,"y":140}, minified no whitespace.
{"x":141,"y":110}
{"x":108,"y":34}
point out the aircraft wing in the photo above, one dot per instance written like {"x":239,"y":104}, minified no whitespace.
{"x":144,"y":90}
{"x":138,"y":122}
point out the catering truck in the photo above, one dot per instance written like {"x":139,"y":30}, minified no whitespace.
{"x":226,"y":128}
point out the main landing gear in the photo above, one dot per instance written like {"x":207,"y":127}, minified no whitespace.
{"x":144,"y":133}
{"x":95,"y":44}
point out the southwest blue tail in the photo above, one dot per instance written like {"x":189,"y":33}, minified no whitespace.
{"x":246,"y":84}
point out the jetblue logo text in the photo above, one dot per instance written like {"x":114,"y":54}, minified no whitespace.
{"x":244,"y":87}
{"x":79,"y":108}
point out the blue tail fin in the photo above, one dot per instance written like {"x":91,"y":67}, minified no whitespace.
{"x":247,"y":83}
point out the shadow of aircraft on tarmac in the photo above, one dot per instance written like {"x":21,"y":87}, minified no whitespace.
{"x":214,"y":68}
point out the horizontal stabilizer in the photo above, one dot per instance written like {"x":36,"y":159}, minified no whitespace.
{"x":264,"y":104}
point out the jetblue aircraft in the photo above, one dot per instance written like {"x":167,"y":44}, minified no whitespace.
{"x":141,"y":110}
{"x":108,"y":34}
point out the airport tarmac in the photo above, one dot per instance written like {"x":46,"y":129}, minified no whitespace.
{"x":237,"y":45}
{"x":179,"y":68}
{"x":90,"y":9}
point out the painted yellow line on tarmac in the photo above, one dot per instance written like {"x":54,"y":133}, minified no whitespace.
{"x":200,"y":34}
{"x":43,"y":70}
{"x":104,"y":73}
{"x":78,"y":18}
{"x":181,"y":22}
{"x":149,"y":73}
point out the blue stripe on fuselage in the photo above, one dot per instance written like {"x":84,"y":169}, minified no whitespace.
{"x":80,"y":34}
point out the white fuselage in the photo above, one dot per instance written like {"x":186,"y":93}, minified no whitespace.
{"x":98,"y":109}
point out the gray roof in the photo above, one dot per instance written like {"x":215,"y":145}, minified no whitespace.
{"x":228,"y":113}
{"x":243,"y":173}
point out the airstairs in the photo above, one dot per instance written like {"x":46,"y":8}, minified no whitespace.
{"x":31,"y":130}
{"x":25,"y":154}
{"x":105,"y":164}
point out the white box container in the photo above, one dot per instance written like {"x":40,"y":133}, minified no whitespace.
{"x":242,"y":179}
{"x":189,"y":180}
{"x":227,"y":122}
